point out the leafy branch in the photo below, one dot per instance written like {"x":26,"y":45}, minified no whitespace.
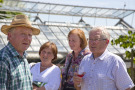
{"x":126,"y":41}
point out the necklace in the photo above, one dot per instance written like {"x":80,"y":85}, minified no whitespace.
{"x":46,"y":66}
{"x":42,"y":66}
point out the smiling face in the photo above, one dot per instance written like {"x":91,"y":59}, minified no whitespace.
{"x":97,"y":43}
{"x":20,"y":38}
{"x":47,"y":55}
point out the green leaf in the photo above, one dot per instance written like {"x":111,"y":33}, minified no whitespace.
{"x":1,"y":1}
{"x":128,"y":54}
{"x":129,"y":32}
{"x":112,"y":42}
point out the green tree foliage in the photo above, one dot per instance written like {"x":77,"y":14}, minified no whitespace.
{"x":7,"y":14}
{"x":1,"y":1}
{"x":126,"y":41}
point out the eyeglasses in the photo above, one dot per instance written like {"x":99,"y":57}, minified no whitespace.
{"x":91,"y":40}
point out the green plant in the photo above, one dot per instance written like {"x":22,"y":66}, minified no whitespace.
{"x":7,"y":14}
{"x":126,"y":41}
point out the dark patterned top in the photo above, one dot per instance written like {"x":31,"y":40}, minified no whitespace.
{"x":74,"y":64}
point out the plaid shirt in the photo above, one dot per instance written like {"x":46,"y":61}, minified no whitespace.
{"x":14,"y":70}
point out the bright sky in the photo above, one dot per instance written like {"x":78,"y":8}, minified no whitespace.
{"x":130,"y":4}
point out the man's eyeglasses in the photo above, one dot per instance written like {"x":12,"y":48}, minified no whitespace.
{"x":96,"y":40}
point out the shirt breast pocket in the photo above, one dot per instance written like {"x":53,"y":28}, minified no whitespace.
{"x":105,"y":81}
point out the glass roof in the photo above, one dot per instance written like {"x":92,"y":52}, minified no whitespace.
{"x":57,"y":32}
{"x":58,"y":35}
{"x":60,"y":9}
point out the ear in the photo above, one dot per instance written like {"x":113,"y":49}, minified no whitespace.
{"x":107,"y":41}
{"x":9,"y":36}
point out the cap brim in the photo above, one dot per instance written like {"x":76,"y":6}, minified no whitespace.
{"x":5,"y":29}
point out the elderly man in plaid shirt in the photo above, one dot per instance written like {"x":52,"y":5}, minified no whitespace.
{"x":14,"y":68}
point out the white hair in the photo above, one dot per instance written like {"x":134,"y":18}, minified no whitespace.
{"x":104,"y":32}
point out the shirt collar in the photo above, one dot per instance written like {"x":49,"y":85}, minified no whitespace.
{"x":102,"y":56}
{"x":13,"y":51}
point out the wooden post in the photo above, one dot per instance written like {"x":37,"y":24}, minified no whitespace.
{"x":132,"y":70}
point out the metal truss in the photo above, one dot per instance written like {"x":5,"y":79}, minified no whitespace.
{"x":67,"y":10}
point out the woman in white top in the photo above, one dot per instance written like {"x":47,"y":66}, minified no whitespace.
{"x":45,"y":71}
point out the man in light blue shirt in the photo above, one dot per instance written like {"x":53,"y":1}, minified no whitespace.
{"x":103,"y":69}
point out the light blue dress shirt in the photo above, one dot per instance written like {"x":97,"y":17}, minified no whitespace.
{"x":107,"y":72}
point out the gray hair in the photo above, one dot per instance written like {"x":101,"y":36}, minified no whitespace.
{"x":11,"y":29}
{"x":104,"y":32}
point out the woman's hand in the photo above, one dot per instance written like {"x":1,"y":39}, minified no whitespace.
{"x":38,"y":88}
{"x":35,"y":87}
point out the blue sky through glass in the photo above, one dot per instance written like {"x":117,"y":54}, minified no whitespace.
{"x":118,"y":4}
